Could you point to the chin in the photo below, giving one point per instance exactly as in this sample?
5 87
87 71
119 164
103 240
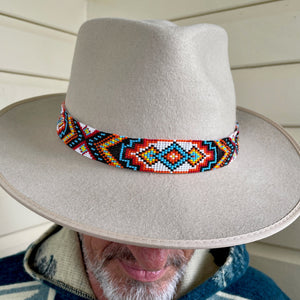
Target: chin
124 287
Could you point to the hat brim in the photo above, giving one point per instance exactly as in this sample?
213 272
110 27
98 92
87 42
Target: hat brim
253 197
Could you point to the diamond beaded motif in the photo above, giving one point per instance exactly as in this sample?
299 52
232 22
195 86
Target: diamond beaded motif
147 155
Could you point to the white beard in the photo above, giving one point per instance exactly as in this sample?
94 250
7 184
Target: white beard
134 290
131 289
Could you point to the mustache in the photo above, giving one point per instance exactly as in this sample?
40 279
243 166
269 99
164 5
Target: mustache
120 251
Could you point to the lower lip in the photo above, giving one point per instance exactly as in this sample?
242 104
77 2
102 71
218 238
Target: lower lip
142 275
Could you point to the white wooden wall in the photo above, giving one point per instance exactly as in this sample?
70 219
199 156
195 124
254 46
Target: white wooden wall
37 43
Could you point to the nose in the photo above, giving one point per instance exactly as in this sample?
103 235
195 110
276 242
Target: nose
150 259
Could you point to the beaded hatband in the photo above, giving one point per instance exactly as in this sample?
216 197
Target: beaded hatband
147 155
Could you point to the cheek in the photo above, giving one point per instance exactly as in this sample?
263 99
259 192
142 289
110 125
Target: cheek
94 246
188 253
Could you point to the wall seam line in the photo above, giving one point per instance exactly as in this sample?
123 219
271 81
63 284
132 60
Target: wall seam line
33 75
19 18
223 10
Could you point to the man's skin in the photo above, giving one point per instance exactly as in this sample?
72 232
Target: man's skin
149 265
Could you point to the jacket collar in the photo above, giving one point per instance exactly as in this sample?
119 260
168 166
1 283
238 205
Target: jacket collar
51 259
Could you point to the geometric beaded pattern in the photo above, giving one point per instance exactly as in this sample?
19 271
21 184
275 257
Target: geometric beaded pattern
147 155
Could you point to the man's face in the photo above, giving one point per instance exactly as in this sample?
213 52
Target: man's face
119 271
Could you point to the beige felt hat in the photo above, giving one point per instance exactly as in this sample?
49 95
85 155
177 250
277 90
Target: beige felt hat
152 80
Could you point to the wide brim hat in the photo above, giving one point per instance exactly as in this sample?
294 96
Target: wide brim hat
153 80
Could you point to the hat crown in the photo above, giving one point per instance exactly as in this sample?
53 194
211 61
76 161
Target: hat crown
152 79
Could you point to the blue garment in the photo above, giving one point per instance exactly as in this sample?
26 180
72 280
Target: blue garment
233 280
